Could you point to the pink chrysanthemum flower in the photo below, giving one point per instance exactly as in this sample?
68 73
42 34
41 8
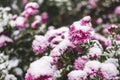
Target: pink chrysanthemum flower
39 44
59 42
104 41
35 24
99 21
44 17
109 28
80 63
30 9
4 39
41 69
112 27
80 31
55 36
60 49
78 37
117 10
32 5
77 75
118 37
108 71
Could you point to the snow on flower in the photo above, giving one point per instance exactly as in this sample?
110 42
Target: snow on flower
77 75
80 31
41 69
55 36
92 67
39 44
55 32
20 22
108 71
4 39
80 62
60 49
95 52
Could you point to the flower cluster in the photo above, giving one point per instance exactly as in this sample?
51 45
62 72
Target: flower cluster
81 40
31 10
14 26
29 17
95 68
80 31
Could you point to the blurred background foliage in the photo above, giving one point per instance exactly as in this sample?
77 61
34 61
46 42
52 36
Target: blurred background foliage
64 12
